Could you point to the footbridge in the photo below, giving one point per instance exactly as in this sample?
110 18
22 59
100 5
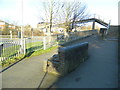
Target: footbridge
94 19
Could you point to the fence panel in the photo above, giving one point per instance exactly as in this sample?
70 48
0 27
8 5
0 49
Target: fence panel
15 47
33 44
11 48
50 41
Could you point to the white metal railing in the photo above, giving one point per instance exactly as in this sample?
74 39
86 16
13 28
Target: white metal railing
15 47
10 48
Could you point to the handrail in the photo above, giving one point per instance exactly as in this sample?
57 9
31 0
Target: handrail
99 17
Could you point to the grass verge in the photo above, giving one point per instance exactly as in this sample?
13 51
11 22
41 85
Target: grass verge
11 61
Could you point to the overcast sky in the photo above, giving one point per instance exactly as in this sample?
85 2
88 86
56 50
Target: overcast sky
11 11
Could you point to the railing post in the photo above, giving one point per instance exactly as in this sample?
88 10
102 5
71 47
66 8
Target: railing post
21 44
1 51
11 34
24 47
44 43
108 27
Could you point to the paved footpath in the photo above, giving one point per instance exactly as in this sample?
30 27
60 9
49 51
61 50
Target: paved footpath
99 71
28 73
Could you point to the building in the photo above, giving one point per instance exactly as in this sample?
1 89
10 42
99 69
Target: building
43 27
2 24
11 26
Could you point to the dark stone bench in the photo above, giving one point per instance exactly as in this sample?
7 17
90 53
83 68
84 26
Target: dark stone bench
67 59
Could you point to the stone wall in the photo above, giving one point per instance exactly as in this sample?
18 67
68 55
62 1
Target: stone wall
113 31
68 59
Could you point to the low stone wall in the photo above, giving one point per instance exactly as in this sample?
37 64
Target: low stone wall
113 31
70 42
67 59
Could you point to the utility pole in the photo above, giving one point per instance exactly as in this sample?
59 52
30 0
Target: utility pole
22 40
22 21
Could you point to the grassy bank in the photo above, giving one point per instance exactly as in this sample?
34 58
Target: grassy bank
13 50
13 60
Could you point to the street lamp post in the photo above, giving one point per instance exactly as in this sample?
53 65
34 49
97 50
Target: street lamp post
22 40
22 22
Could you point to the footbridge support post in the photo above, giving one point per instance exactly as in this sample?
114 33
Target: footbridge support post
93 25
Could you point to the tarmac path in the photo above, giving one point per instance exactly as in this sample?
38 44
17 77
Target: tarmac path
99 71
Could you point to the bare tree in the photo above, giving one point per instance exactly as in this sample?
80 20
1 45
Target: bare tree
73 11
79 12
64 14
50 9
27 30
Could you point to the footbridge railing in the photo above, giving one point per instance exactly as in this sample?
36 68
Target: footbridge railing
96 18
